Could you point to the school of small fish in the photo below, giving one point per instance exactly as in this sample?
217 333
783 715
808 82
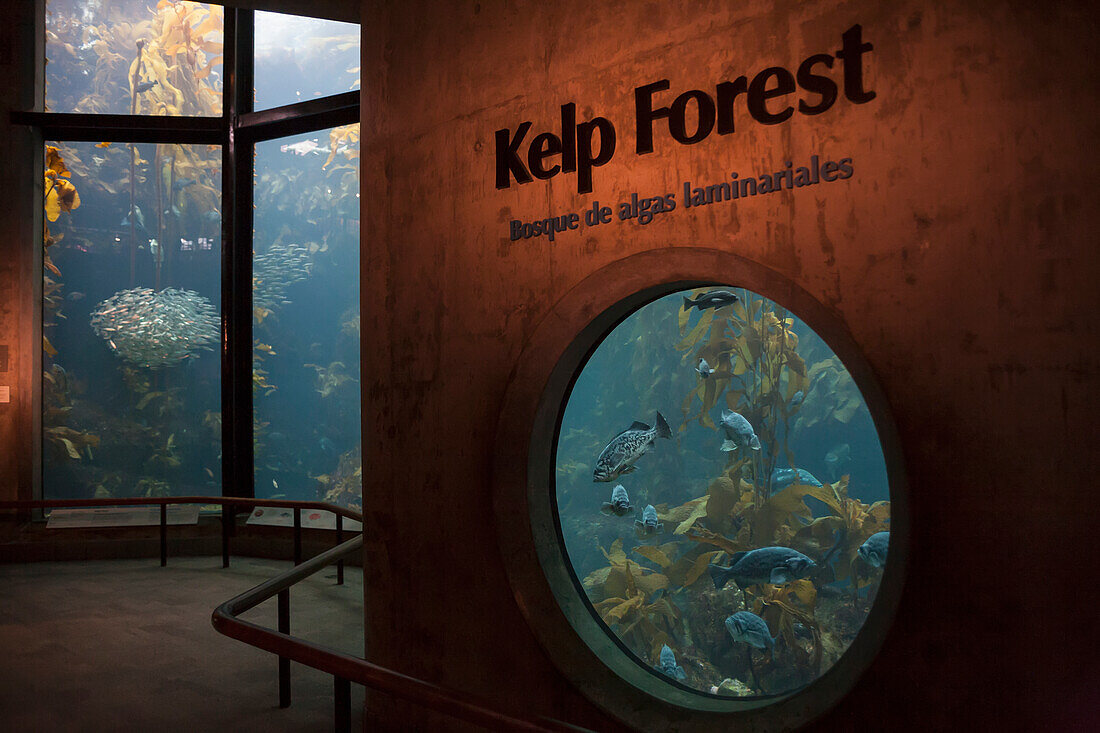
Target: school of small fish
156 329
274 271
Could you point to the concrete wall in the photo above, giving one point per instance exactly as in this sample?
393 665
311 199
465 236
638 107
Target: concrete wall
20 253
961 255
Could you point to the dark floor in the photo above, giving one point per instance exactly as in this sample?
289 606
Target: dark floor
125 645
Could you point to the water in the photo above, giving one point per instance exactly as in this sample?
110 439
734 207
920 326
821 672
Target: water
132 407
655 588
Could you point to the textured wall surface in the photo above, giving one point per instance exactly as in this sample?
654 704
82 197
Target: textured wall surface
961 254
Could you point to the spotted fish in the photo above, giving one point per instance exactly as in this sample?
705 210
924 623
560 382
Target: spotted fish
784 477
618 456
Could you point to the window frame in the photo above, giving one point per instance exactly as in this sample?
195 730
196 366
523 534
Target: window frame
236 131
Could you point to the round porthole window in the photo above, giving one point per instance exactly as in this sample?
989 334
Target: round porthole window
721 498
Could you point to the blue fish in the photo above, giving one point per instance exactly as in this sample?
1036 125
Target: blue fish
668 664
775 565
139 218
784 477
619 504
796 398
750 629
873 551
739 433
648 524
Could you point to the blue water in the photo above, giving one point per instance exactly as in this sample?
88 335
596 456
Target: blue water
638 371
117 427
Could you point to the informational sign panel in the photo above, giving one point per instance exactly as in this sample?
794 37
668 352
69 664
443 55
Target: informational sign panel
311 518
121 516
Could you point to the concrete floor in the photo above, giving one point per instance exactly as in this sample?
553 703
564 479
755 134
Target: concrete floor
125 645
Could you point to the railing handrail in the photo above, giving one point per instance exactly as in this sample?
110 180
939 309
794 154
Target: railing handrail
455 703
142 500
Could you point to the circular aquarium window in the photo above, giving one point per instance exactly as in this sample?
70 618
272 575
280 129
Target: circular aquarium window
722 500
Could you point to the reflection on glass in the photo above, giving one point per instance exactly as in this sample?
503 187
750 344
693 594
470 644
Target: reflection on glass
134 57
306 318
298 59
722 494
131 287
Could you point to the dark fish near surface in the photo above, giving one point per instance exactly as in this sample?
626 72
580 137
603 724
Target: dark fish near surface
668 664
784 477
873 551
750 629
619 504
143 86
739 432
775 565
619 455
712 299
648 524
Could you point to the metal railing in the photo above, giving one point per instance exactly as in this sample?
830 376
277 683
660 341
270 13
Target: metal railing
343 667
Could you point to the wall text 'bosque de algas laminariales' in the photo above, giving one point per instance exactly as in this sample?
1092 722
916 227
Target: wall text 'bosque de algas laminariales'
765 99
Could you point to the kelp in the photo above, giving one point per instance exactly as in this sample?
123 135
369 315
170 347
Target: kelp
330 378
752 348
344 487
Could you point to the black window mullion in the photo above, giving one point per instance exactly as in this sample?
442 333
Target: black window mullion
237 169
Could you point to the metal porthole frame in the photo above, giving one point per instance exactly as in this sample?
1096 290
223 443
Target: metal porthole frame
540 574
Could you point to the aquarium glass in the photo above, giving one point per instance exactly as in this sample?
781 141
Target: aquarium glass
298 59
742 553
306 317
134 57
131 320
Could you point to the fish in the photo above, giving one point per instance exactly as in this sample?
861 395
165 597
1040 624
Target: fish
711 299
796 398
212 216
668 664
748 628
618 456
327 446
775 565
784 477
648 524
143 86
139 218
739 432
304 147
837 459
873 551
275 484
75 295
619 504
154 247
703 368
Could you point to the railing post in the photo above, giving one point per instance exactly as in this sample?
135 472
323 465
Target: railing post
339 540
226 518
297 535
341 698
284 663
163 534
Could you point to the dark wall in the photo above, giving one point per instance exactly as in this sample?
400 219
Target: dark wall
961 255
